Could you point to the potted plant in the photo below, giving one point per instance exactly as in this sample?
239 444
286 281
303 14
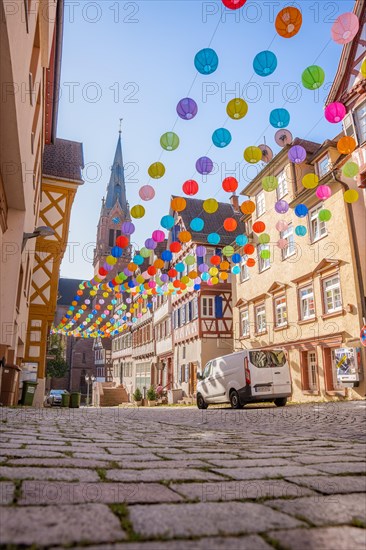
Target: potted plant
151 396
137 397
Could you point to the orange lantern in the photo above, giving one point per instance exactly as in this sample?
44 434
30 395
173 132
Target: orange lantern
288 22
178 204
259 227
346 145
159 264
184 236
79 293
215 260
249 249
193 275
230 224
250 262
224 276
247 207
224 265
132 267
175 247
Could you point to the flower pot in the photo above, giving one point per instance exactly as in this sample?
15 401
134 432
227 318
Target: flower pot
151 403
138 403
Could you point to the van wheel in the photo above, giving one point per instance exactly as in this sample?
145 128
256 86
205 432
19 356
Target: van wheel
235 400
280 401
201 403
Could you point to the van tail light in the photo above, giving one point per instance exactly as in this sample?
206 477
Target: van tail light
247 371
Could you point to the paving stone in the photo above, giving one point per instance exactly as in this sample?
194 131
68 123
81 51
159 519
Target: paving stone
337 538
201 456
239 490
343 467
23 453
66 474
45 526
329 510
7 490
163 464
266 472
161 474
60 462
186 520
116 458
242 463
324 459
330 485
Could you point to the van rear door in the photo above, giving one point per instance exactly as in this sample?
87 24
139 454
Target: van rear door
261 374
281 372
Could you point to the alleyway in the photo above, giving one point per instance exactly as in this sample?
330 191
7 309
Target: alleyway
258 479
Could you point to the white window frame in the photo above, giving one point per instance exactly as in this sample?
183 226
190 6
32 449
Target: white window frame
208 307
322 170
321 227
244 270
332 288
244 323
280 310
360 122
282 189
260 203
312 366
305 300
290 248
263 263
260 318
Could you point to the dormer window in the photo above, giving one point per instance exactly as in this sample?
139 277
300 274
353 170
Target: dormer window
323 165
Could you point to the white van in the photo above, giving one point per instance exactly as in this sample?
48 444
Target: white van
245 377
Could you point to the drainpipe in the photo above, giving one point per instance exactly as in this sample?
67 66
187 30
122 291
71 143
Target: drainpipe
354 240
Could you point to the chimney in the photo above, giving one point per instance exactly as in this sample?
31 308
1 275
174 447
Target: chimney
234 199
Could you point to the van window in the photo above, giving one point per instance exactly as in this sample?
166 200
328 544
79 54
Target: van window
267 359
277 358
258 359
207 371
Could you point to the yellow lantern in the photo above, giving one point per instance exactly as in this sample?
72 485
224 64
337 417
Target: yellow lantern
214 280
111 260
253 154
156 170
213 271
351 195
210 206
138 211
310 181
237 108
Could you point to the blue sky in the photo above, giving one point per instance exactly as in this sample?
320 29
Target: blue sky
135 60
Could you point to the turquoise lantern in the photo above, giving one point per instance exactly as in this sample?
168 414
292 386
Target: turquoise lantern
206 61
265 63
221 137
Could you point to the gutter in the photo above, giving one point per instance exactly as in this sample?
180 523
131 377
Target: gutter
58 56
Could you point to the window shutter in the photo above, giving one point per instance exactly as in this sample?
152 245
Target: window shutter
349 126
199 260
218 307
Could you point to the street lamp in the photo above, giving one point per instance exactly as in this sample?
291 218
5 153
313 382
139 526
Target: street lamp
41 231
88 379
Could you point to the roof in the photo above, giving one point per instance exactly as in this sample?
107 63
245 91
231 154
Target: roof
161 247
116 190
213 222
64 159
67 289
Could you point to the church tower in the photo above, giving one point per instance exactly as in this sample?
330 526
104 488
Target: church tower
115 210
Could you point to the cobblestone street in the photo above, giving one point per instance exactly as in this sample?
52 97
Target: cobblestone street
261 478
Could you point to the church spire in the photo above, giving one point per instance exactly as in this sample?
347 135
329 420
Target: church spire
116 187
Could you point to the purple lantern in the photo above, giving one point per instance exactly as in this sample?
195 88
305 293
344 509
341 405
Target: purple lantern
127 272
187 108
150 244
128 228
200 251
323 192
281 207
203 268
158 236
164 277
297 154
204 165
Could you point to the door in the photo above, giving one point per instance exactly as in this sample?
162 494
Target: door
192 379
217 382
281 372
205 384
260 374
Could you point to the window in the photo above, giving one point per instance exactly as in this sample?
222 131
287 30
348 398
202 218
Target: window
244 322
207 371
207 307
332 294
360 118
290 248
260 203
263 263
189 311
111 242
282 188
280 311
84 357
313 381
244 269
318 229
323 165
183 315
195 307
182 373
307 305
260 319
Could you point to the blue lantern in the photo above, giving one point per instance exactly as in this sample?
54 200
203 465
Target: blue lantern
265 63
235 270
205 276
301 210
213 238
206 61
236 258
138 260
167 222
241 240
166 255
279 118
116 252
197 287
221 137
180 267
300 230
197 224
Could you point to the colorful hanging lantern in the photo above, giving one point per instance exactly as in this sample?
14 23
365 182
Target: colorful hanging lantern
279 118
175 247
230 184
282 243
350 169
233 4
150 244
310 181
190 187
204 165
350 196
241 240
323 192
264 238
206 61
297 154
258 227
250 262
201 251
169 141
281 225
184 236
363 68
313 77
300 230
346 145
252 154
128 228
345 28
301 210
167 222
156 170
269 183
281 207
335 112
138 211
116 251
237 108
221 137
122 241
187 108
197 224
230 224
210 206
265 254
227 251
324 215
158 236
265 63
166 255
288 22
213 238
247 207
178 204
147 193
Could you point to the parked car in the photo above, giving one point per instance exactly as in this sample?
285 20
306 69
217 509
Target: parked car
245 377
55 397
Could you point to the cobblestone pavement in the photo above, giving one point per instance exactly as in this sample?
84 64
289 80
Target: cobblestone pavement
180 478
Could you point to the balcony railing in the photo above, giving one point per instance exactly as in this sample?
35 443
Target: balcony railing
164 346
162 311
144 349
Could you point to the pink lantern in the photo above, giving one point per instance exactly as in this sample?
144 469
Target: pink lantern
323 192
152 284
281 225
158 236
147 193
335 112
282 243
345 28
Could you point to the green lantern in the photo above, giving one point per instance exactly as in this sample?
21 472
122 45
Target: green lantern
270 183
264 238
324 215
265 254
313 77
169 141
228 251
350 170
145 252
